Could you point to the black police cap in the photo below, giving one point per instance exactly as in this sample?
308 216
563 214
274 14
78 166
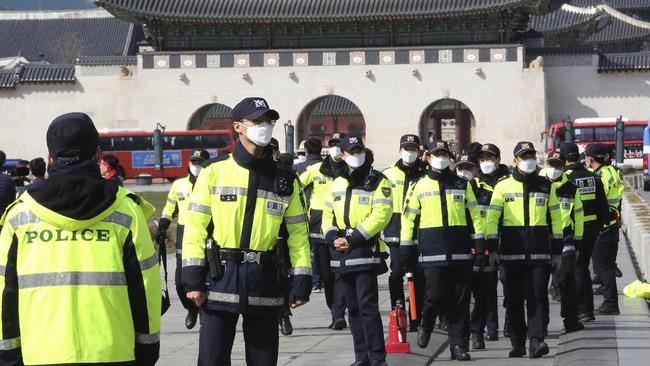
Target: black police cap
597 150
524 147
199 155
409 140
335 139
491 149
556 156
72 137
467 159
253 108
570 150
348 143
439 146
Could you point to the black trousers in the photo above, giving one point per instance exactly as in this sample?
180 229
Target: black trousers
218 334
396 277
567 284
605 265
362 301
448 290
485 311
527 283
333 297
584 289
178 278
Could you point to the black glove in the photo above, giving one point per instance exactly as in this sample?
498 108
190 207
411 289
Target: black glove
161 233
494 261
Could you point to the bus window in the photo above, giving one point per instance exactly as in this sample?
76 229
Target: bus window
216 141
585 134
126 143
605 133
634 132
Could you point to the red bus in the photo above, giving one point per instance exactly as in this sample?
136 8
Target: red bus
134 149
600 130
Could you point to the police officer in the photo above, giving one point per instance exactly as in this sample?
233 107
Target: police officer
355 212
318 179
594 202
247 198
519 214
563 259
606 248
484 286
177 201
442 207
404 173
85 286
467 167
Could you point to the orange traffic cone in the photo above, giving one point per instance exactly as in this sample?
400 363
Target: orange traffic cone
397 331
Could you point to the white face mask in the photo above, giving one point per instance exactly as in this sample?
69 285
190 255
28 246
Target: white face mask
302 158
464 173
488 167
554 173
195 170
260 134
356 160
335 152
439 162
409 157
527 166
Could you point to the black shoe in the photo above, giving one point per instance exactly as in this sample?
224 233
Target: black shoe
618 272
459 353
477 341
517 352
599 290
338 324
190 319
316 289
605 311
378 363
285 326
586 317
596 281
492 336
361 363
573 326
537 348
423 337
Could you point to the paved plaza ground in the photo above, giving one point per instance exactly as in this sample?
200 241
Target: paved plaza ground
620 340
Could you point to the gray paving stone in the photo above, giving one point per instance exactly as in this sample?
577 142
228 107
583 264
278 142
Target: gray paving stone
622 340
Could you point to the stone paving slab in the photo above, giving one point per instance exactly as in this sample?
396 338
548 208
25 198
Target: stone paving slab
622 340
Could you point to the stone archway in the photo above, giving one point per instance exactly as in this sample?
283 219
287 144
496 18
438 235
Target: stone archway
215 116
450 120
328 114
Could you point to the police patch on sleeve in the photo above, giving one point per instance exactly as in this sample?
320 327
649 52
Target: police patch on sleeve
385 192
274 208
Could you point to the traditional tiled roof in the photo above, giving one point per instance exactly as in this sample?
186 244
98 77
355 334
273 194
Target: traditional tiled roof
46 73
617 4
8 78
301 10
336 105
36 73
62 36
610 24
566 17
107 60
639 61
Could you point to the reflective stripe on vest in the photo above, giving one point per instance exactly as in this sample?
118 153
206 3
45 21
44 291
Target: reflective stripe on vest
71 279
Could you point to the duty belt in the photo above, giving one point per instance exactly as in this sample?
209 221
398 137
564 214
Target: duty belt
244 256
